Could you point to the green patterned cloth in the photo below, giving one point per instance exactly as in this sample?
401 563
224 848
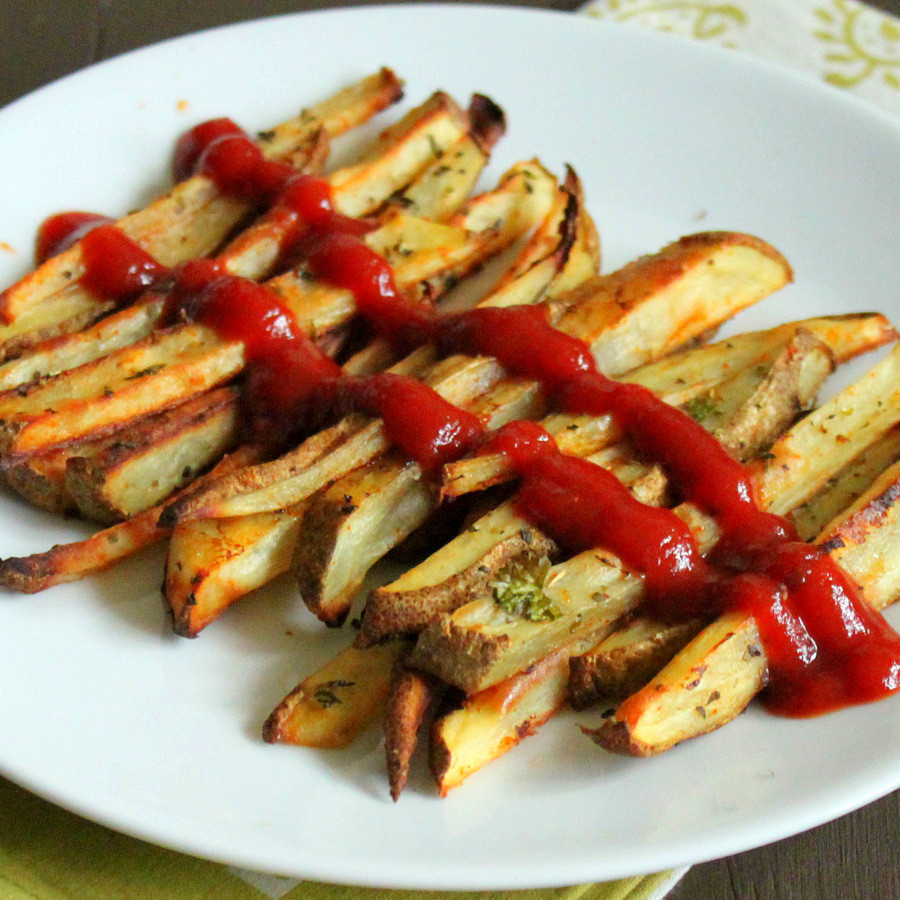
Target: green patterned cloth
99 864
846 43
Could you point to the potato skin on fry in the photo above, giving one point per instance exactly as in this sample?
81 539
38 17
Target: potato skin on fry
411 696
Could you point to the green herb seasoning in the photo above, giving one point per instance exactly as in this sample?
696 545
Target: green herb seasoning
519 592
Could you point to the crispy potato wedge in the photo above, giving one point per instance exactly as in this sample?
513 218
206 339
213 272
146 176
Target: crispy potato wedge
146 463
668 298
437 191
176 434
828 438
679 379
211 563
845 487
351 525
190 220
607 671
626 660
863 540
334 704
411 695
458 572
491 722
71 562
70 351
288 479
687 697
714 678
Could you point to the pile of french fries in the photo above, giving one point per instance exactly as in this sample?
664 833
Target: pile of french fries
107 414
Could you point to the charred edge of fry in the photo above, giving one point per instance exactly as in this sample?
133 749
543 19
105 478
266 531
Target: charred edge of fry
857 523
487 122
412 695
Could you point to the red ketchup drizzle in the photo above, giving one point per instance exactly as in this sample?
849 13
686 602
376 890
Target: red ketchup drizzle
59 232
115 267
825 648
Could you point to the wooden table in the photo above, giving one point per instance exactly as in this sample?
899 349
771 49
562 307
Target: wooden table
856 856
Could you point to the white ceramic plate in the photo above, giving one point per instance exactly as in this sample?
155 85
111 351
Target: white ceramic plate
105 712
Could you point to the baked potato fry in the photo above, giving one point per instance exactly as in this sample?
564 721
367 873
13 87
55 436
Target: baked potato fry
190 220
148 462
436 190
71 562
713 679
330 707
491 722
602 673
410 697
211 563
133 467
167 368
842 489
770 398
803 460
688 376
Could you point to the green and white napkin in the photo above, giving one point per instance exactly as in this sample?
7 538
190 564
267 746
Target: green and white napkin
846 43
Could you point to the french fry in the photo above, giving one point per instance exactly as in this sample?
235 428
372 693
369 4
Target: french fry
410 697
254 252
704 687
713 679
842 489
626 660
330 707
72 562
789 484
133 467
163 370
140 470
211 563
449 578
191 220
830 437
679 379
491 722
478 644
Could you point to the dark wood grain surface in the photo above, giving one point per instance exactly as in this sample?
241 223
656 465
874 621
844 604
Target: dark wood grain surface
852 858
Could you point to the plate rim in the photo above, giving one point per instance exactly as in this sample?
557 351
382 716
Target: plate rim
851 799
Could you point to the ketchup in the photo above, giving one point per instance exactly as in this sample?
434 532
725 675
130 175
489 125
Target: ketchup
825 647
59 232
